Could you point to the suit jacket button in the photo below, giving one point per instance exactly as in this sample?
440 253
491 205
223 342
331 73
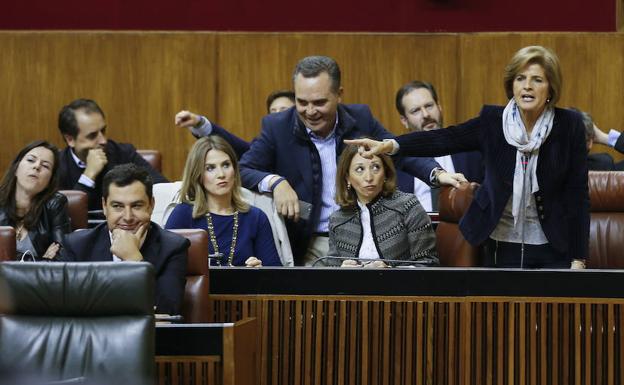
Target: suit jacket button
540 208
542 216
539 198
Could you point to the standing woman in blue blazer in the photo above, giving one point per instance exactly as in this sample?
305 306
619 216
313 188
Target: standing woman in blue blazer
532 209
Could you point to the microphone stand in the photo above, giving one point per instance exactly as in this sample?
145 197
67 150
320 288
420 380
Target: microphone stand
525 161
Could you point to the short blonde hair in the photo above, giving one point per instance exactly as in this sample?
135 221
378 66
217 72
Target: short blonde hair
193 191
535 54
346 197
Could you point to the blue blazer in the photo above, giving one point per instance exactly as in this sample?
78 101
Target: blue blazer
284 148
563 198
468 163
163 249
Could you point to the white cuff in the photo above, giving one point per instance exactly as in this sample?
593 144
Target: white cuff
85 180
204 129
613 137
395 146
264 185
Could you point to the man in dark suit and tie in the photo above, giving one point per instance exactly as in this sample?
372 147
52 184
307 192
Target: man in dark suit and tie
129 236
419 110
89 154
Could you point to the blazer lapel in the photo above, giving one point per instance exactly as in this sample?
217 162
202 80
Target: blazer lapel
101 248
151 248
301 153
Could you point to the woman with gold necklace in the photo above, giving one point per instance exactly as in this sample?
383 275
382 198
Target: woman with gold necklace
30 203
240 234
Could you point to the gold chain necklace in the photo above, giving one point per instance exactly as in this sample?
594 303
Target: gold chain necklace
213 237
19 230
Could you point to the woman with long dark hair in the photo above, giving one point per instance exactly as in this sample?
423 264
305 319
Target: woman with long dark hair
29 201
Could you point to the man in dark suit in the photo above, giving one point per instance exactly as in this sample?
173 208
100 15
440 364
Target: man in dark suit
419 110
295 155
89 154
601 161
128 235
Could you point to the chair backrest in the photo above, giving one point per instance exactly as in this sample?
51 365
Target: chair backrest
153 157
453 249
84 321
196 307
77 208
606 232
7 243
166 198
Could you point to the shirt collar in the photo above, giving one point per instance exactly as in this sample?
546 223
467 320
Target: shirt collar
77 160
331 134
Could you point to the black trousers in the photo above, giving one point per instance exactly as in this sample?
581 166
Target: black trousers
508 254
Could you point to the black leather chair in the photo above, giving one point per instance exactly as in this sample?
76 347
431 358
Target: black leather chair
89 323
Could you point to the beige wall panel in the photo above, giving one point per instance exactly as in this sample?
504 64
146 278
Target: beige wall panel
592 66
139 79
142 79
373 68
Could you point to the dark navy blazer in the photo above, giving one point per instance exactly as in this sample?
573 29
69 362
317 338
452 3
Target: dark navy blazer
166 251
563 198
284 148
468 163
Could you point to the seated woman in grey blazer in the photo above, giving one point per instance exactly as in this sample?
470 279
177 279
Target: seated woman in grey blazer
375 221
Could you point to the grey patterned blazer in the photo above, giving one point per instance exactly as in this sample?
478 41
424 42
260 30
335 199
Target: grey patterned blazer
401 227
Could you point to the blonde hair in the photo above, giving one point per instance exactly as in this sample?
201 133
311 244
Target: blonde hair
535 54
193 191
346 197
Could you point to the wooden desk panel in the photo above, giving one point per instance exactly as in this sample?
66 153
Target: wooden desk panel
388 339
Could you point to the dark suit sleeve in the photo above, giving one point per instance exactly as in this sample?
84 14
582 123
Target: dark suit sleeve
576 193
67 252
619 144
259 160
419 167
172 279
239 145
451 140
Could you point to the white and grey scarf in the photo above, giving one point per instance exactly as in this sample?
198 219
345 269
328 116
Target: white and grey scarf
528 147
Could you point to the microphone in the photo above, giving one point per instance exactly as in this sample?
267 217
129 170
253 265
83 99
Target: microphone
369 260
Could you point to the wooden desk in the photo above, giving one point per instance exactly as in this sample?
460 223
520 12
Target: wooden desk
429 326
219 353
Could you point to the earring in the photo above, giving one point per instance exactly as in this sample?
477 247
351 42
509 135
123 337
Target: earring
348 186
547 100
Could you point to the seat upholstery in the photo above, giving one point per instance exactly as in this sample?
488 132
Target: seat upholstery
77 208
92 322
7 243
453 249
196 307
153 157
606 232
